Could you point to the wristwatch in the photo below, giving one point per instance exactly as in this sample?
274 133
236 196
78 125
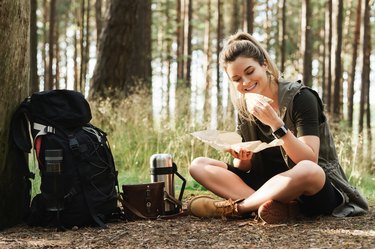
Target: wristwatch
282 131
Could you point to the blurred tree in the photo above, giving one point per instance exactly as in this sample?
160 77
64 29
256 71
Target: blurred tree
337 38
188 45
354 63
282 33
327 82
306 43
365 82
34 78
124 56
14 77
49 83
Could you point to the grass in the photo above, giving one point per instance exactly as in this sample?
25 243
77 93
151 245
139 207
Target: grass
134 138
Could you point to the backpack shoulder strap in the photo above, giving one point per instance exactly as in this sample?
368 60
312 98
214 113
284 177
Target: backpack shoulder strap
20 136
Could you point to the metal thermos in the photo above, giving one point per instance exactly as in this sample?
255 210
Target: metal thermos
163 169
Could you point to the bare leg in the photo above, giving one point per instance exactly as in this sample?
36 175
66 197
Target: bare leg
305 178
215 176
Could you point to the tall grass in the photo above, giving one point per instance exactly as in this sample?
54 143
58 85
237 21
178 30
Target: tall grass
134 139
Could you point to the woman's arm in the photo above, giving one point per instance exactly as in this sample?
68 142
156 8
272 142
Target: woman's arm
298 149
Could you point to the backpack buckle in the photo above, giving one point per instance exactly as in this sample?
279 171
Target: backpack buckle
73 144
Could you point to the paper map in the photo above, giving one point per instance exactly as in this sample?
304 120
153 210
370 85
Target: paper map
223 140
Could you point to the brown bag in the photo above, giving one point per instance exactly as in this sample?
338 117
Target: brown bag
143 200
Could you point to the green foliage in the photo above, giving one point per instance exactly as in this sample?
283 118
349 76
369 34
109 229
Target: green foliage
134 137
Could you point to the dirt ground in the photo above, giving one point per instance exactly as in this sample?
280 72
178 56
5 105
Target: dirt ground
191 232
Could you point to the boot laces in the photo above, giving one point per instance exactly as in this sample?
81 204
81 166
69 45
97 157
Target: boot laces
227 207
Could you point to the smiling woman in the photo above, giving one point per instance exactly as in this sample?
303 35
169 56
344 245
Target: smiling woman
302 173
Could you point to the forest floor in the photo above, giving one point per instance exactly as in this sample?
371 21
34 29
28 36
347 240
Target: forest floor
191 232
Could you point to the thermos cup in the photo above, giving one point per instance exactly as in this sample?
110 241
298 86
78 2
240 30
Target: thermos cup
163 169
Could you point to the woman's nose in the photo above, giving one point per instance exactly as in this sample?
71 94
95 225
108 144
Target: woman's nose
245 80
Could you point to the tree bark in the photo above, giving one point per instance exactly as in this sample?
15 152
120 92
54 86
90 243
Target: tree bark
354 63
124 57
34 78
282 33
365 85
235 17
327 86
207 69
51 42
250 16
180 23
306 43
14 75
188 47
338 67
98 20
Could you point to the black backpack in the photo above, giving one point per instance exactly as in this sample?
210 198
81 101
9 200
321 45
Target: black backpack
79 184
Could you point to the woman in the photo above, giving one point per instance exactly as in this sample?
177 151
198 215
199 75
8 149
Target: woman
301 175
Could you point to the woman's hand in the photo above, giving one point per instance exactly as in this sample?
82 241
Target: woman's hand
266 114
243 154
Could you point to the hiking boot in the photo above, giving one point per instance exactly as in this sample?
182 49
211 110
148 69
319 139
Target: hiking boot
274 212
208 207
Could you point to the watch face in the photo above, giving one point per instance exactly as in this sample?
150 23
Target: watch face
280 132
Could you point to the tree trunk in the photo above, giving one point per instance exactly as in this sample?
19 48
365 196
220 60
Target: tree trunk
34 78
188 47
180 22
51 42
82 25
124 57
219 38
282 33
44 43
98 20
327 83
235 17
338 70
306 43
250 16
14 78
208 52
357 32
365 85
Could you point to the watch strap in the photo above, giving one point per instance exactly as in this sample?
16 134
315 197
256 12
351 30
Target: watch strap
282 131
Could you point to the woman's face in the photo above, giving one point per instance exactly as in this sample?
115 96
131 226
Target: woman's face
248 75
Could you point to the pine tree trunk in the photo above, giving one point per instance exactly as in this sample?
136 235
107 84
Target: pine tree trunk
98 20
180 22
188 47
338 68
34 78
357 32
14 75
306 44
124 57
51 44
365 82
282 33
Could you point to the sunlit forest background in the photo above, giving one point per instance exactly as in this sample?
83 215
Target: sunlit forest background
150 69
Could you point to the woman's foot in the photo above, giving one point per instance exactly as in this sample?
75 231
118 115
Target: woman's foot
208 207
274 212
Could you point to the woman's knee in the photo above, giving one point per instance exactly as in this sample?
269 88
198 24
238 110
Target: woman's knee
201 165
311 174
197 165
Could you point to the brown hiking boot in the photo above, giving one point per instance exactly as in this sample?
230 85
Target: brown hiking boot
275 212
208 207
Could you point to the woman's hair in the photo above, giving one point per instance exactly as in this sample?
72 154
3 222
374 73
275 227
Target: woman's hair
244 45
